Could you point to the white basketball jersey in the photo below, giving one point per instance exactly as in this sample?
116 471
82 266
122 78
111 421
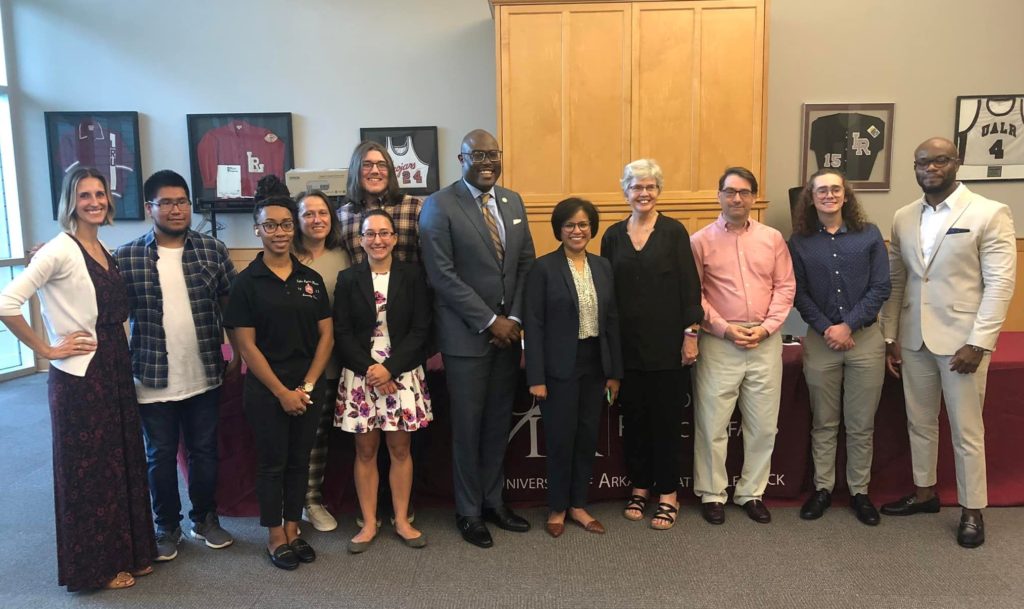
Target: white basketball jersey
409 169
996 135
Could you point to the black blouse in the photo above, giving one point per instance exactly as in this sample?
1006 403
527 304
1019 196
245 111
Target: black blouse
285 313
657 290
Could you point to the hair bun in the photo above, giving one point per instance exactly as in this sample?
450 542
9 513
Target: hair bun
270 186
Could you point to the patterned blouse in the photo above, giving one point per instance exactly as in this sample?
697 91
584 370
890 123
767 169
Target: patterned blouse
586 304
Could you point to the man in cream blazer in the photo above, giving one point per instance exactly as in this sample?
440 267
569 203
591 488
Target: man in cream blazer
953 264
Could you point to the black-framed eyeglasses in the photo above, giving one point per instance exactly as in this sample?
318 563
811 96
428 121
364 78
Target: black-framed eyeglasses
166 204
744 194
369 165
370 235
479 156
571 226
939 161
271 227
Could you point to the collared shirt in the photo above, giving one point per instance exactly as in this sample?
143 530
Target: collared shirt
285 313
933 219
746 276
209 273
492 206
841 277
586 300
406 214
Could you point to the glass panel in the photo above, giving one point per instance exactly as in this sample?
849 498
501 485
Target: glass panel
10 218
14 355
3 52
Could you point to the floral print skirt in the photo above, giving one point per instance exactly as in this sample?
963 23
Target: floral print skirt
360 408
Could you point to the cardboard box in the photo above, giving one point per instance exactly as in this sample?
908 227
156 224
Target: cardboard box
333 182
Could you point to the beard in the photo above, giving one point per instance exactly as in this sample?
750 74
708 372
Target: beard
171 232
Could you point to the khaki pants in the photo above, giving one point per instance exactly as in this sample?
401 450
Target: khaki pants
926 379
727 375
847 383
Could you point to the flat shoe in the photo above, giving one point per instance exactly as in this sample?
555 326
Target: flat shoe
594 526
555 529
358 547
283 557
303 551
122 580
142 572
420 541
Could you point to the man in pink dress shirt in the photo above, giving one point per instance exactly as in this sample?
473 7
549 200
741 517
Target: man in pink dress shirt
748 286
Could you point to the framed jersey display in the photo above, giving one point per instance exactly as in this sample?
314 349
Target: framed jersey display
107 141
990 136
853 138
230 153
413 150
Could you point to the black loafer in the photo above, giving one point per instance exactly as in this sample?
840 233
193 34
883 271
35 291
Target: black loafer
971 532
864 509
757 511
713 512
474 531
910 504
506 519
283 557
303 550
815 506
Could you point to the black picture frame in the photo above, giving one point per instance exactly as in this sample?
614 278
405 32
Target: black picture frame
107 141
834 135
219 142
421 142
990 147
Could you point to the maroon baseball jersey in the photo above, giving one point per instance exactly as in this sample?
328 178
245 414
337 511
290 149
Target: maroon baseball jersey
93 145
258 151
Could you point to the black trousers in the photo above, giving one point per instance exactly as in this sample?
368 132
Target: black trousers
652 423
283 443
571 415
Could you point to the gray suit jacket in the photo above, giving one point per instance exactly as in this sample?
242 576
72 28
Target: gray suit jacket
962 294
470 286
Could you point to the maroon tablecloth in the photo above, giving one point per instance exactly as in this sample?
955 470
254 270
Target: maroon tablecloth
791 471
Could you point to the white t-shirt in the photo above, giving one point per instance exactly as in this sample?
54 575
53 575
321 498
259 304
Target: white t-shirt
185 374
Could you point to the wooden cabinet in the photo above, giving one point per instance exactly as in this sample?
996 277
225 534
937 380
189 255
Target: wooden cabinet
586 87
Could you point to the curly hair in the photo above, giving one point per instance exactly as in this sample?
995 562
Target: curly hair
806 216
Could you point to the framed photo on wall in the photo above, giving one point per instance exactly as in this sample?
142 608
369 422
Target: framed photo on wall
989 135
107 141
230 153
413 150
852 138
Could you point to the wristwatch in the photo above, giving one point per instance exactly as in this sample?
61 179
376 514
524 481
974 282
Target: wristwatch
977 349
307 386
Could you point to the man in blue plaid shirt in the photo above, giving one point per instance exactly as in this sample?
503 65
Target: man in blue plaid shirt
178 283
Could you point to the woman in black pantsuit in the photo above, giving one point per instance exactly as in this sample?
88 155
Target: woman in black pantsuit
658 292
573 357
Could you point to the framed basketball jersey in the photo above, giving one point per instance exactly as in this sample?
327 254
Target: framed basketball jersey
990 137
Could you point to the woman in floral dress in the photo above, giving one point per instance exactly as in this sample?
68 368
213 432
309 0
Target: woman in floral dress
381 325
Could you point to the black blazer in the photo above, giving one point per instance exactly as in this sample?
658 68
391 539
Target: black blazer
552 320
355 316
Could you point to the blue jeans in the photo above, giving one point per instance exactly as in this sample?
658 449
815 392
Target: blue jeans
163 424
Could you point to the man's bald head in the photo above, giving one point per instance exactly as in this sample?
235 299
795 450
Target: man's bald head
484 171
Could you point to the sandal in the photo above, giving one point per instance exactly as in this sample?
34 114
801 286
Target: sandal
664 514
635 507
142 572
122 580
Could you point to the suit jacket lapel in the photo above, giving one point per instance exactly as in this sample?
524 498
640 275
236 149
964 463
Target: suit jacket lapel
365 282
471 207
505 209
566 273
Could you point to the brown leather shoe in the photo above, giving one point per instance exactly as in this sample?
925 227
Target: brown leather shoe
757 511
713 512
554 529
594 526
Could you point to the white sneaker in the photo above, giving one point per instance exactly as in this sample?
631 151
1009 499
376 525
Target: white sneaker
319 517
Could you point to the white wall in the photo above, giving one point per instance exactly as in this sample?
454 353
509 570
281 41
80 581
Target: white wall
339 65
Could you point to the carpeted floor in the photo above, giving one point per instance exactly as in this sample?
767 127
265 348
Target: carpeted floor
832 563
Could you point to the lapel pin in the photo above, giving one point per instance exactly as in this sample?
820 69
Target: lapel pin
504 200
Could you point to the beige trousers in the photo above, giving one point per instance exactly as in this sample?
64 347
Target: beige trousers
926 379
847 384
727 375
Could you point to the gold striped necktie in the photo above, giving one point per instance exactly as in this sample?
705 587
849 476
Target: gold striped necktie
492 226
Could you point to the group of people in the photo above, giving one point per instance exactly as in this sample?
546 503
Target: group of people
334 317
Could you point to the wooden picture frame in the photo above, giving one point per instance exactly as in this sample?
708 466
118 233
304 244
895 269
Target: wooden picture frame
413 151
855 139
989 136
107 141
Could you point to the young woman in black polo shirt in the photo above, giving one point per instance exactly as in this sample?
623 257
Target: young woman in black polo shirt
282 319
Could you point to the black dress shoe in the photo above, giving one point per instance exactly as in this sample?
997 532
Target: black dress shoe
864 509
815 506
474 531
283 557
506 519
911 505
757 511
971 532
303 550
713 512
